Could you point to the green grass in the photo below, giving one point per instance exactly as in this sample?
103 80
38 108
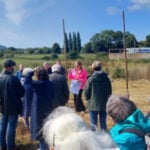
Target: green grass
34 60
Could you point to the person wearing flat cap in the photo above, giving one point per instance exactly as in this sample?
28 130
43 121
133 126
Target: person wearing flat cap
11 92
8 63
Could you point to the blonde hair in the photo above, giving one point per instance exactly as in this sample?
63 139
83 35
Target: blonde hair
96 65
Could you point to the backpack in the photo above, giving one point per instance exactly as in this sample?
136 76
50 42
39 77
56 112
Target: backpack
140 133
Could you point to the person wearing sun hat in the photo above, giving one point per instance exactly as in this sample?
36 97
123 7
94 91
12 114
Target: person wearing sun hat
11 92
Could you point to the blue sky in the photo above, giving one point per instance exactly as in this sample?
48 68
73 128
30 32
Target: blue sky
38 23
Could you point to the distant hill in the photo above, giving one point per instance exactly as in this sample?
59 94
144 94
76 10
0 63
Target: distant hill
2 47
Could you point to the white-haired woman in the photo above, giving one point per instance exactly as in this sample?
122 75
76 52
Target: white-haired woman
126 115
65 130
28 96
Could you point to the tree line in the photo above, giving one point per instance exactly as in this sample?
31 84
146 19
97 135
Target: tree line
99 42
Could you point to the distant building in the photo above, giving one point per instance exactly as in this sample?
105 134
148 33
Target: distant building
132 53
138 50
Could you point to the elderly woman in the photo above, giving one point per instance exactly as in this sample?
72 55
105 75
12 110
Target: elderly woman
28 96
41 104
126 115
65 130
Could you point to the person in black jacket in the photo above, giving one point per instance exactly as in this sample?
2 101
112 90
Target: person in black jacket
61 90
41 105
11 92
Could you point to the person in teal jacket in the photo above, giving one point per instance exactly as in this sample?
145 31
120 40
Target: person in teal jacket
126 115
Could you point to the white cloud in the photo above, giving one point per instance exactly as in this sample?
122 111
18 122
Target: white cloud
19 10
112 10
139 4
15 10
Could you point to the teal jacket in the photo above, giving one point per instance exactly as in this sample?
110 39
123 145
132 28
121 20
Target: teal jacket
130 141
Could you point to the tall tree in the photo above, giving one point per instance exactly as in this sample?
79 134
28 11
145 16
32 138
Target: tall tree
87 48
108 37
117 40
70 42
130 40
56 48
78 42
74 42
66 42
148 41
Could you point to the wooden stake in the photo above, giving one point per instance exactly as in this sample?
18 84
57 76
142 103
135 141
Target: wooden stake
125 54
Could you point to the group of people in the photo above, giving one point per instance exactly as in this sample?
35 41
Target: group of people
58 127
31 99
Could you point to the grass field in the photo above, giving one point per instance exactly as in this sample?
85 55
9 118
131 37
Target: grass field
139 86
138 91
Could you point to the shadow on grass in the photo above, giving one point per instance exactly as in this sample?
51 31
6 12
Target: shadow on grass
28 146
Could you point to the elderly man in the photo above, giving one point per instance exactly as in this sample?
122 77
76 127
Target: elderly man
47 67
60 85
11 92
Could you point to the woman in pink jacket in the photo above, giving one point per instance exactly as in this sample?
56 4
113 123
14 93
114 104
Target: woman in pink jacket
80 75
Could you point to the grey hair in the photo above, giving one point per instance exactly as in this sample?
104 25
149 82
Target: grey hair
96 65
68 131
119 107
45 63
56 68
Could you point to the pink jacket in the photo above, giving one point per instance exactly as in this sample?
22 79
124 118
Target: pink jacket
82 76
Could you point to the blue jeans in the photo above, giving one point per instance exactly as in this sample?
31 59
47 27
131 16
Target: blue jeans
43 144
8 124
102 118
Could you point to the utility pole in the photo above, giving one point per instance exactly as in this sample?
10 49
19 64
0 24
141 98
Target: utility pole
125 55
65 52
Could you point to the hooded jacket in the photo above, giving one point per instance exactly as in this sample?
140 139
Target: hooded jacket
97 90
131 141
